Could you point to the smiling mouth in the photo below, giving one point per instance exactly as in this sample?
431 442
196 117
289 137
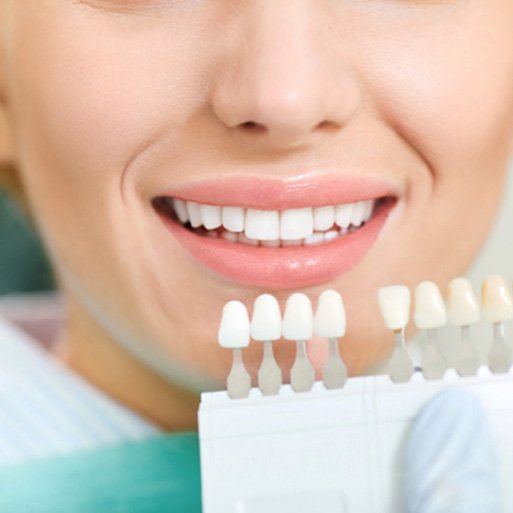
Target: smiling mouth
308 226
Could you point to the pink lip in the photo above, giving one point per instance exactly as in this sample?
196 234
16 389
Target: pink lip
274 194
283 267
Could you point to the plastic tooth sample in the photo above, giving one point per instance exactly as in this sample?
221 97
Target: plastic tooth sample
463 311
266 328
298 325
297 223
394 303
330 322
262 224
234 331
430 314
497 302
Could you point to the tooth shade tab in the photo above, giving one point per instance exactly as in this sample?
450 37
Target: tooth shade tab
234 329
330 315
394 303
296 223
266 320
298 318
462 303
430 311
262 224
497 300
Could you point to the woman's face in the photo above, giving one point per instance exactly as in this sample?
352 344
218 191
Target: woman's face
116 105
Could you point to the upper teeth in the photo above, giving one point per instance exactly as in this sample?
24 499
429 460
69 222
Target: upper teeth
273 225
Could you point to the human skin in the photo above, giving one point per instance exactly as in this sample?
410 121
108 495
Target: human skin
105 103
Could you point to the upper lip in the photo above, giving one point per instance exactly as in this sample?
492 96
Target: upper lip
306 190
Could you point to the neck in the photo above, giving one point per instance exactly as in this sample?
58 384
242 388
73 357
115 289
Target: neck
88 350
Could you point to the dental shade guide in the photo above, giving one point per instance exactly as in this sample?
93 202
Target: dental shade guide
298 325
340 450
497 303
394 303
233 334
266 328
463 311
430 314
330 323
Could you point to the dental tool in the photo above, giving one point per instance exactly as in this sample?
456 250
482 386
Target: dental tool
394 303
330 323
266 328
497 306
298 325
233 333
430 314
463 311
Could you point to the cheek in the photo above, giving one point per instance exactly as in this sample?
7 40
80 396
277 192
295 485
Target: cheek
97 101
448 89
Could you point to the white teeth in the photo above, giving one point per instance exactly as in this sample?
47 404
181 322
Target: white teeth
273 228
313 239
234 329
367 212
262 224
270 243
357 214
298 318
210 216
233 219
296 242
324 217
330 316
232 237
343 215
181 210
194 214
244 240
296 223
332 234
266 321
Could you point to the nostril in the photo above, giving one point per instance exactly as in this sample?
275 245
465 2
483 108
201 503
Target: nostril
254 127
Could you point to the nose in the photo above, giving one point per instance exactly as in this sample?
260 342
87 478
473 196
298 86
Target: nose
280 80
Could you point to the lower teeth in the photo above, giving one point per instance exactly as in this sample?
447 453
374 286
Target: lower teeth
314 239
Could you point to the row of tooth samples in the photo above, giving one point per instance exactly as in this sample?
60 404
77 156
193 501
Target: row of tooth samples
431 313
298 324
273 225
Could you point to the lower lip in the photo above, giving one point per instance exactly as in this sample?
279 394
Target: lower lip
283 267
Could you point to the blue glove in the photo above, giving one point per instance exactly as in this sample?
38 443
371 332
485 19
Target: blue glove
451 464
